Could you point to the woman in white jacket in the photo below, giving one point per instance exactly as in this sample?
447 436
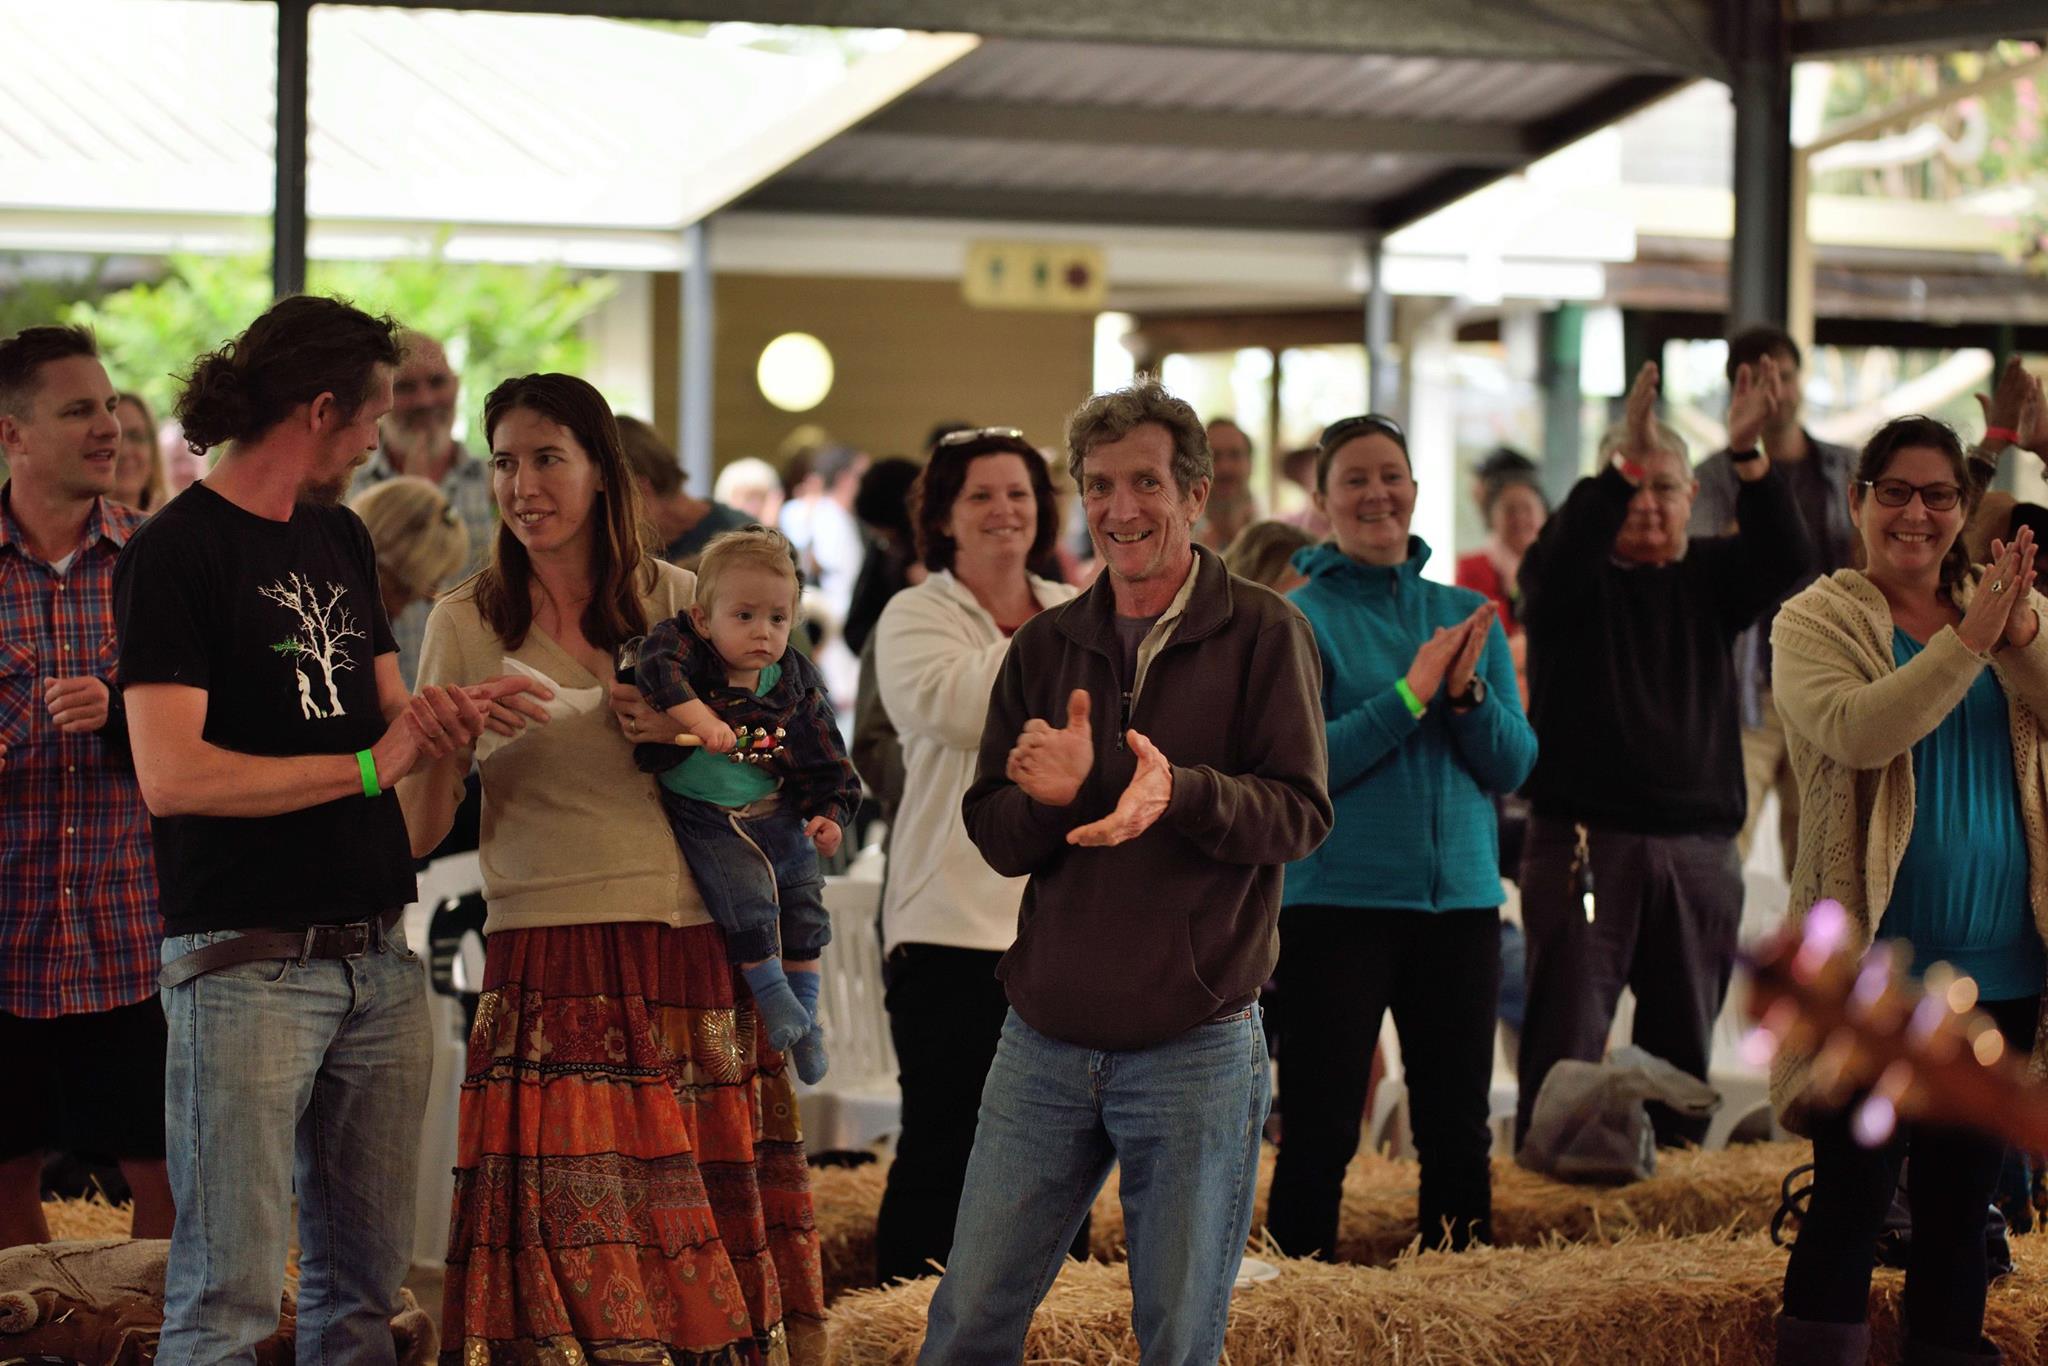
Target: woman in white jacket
982 509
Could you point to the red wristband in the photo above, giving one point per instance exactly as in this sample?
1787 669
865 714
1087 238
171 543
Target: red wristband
1630 470
2004 436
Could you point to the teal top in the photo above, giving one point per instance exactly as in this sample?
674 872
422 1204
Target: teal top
1416 828
1960 896
717 778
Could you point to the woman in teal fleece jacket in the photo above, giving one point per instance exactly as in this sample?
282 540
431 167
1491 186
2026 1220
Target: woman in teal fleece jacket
1400 908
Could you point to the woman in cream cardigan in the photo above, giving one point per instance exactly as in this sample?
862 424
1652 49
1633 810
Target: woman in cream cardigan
630 1181
982 510
1913 694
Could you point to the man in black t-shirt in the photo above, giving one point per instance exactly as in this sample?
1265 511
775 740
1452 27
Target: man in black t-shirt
269 725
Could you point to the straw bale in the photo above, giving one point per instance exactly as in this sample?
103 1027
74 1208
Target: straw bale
846 1200
1692 1192
1710 1298
88 1218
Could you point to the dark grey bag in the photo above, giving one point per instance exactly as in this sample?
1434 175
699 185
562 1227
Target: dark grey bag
1589 1123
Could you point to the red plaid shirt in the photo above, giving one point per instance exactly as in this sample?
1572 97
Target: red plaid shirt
79 926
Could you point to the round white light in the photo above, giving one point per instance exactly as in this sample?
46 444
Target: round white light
795 372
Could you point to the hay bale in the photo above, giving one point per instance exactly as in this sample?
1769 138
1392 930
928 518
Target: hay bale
1679 1302
844 1203
1735 1190
846 1200
89 1218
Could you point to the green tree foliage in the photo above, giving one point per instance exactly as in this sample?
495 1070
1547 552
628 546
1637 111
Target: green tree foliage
1997 138
495 320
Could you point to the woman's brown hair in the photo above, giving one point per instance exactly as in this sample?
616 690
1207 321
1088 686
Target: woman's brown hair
1916 429
619 568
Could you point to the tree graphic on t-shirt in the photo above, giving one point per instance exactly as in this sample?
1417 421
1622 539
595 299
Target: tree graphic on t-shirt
324 624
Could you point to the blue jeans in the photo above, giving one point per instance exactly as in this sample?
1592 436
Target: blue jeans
284 1072
1181 1118
758 875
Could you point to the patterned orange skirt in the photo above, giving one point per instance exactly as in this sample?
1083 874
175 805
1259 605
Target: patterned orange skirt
631 1185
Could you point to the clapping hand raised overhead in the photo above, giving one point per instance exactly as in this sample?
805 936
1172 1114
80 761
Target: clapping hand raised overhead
1760 396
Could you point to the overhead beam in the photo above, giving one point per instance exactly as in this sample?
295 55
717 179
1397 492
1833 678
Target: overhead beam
1940 25
1596 111
1199 130
1054 206
1669 34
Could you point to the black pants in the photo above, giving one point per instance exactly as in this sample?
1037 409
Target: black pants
1341 969
1949 1188
1668 909
946 1012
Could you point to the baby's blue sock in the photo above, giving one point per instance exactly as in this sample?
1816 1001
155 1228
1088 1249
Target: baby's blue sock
783 1017
805 985
808 1053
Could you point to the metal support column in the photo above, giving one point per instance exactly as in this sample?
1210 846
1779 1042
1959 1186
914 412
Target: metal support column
288 209
698 334
1760 83
1563 399
1381 389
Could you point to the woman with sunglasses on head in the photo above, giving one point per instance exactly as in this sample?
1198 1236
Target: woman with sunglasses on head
1911 692
1400 908
982 510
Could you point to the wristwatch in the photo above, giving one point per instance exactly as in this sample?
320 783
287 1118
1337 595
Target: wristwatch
1744 457
1474 695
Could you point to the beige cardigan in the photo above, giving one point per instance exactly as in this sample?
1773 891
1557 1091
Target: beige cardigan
573 833
1851 720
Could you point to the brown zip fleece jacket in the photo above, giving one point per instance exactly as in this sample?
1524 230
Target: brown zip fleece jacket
1133 945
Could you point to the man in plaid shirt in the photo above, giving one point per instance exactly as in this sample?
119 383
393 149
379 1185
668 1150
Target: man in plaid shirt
80 1021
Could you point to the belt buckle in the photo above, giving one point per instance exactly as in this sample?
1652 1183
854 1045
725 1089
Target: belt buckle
362 940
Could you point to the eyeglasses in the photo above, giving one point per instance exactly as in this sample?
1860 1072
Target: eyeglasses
969 435
1344 428
1896 493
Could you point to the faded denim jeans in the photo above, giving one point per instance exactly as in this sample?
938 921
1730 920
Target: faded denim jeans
286 1075
1181 1118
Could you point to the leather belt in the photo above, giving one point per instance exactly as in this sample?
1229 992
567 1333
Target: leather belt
352 940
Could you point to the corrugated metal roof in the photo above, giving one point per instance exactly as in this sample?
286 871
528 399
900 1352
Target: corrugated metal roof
1268 82
1209 134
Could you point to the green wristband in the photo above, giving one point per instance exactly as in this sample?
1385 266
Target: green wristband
368 767
1414 703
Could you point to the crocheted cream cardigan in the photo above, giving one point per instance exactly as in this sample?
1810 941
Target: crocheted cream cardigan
1851 720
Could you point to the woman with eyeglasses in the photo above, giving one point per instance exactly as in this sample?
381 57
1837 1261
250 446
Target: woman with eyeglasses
982 510
1400 907
1911 692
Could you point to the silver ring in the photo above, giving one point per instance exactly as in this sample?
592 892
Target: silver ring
1998 585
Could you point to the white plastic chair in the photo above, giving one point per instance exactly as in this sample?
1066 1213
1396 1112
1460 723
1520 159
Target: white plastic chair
450 878
859 1102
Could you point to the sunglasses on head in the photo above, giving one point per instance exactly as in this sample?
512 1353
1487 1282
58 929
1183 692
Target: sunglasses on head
1345 428
969 435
